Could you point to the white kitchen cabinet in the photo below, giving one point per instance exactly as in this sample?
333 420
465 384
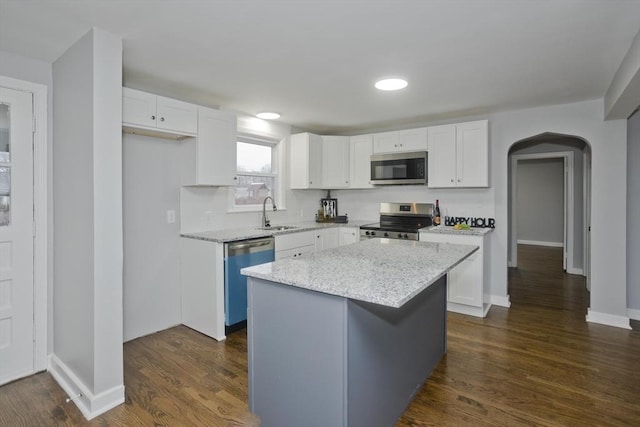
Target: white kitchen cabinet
466 281
305 161
202 282
210 158
459 155
360 161
293 245
399 141
335 162
142 110
349 235
327 238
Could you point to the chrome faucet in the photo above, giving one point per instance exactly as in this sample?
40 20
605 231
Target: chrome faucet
265 221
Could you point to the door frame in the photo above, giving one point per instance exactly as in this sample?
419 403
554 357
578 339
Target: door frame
42 274
586 179
568 214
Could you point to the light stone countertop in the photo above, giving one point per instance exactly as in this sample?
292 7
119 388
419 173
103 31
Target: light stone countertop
235 234
445 229
381 271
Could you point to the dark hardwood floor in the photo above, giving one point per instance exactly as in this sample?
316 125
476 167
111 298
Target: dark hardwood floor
538 363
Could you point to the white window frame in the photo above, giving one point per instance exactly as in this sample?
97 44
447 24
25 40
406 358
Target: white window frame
277 172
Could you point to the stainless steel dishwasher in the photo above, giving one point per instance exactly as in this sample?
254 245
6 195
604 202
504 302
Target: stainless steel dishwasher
238 255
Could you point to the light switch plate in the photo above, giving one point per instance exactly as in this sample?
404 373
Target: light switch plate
171 217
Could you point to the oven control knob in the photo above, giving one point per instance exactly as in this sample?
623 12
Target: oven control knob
367 233
406 236
373 233
399 235
386 234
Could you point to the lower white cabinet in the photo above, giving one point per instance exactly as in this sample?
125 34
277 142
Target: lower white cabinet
465 282
202 282
293 245
349 235
327 238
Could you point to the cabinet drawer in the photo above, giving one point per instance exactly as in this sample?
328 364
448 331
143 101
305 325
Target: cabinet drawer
295 252
295 240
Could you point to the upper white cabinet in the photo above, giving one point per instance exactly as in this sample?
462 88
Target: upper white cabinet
143 110
459 155
398 141
305 161
360 161
210 158
335 162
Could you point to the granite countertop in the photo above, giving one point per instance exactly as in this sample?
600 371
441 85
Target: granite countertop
381 271
235 234
445 229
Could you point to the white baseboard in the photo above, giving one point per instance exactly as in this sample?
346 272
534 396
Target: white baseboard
498 300
89 404
539 243
577 271
633 313
608 319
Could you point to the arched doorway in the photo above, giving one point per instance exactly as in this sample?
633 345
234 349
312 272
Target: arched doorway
549 194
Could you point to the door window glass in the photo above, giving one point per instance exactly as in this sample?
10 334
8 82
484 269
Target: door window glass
5 165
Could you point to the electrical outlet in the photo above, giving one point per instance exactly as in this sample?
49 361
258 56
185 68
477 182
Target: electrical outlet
171 217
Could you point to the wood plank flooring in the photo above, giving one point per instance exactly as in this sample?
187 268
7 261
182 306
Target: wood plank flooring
538 363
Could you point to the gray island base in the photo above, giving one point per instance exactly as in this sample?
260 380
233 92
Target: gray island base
320 358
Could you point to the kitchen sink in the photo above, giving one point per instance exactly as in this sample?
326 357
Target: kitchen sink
278 227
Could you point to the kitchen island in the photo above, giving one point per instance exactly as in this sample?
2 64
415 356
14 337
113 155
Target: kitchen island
347 336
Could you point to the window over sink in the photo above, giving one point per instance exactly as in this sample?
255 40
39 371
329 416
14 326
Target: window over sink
257 173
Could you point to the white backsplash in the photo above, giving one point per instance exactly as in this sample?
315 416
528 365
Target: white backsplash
206 208
365 204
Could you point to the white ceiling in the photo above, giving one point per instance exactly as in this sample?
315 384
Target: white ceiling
315 61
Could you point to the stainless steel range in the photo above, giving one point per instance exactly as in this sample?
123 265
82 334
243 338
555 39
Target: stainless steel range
399 221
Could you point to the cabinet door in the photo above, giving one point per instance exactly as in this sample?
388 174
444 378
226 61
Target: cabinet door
472 151
305 161
335 162
360 161
327 238
176 115
413 139
442 156
465 282
215 148
138 108
386 142
349 235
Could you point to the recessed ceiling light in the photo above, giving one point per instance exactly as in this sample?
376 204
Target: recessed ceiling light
391 84
268 115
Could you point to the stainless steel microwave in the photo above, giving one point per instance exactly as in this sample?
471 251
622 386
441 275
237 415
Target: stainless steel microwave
399 168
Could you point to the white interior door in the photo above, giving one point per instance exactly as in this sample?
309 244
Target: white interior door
16 235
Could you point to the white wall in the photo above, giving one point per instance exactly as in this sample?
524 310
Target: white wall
577 147
583 120
35 71
540 201
365 204
633 214
87 160
609 177
208 208
151 187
